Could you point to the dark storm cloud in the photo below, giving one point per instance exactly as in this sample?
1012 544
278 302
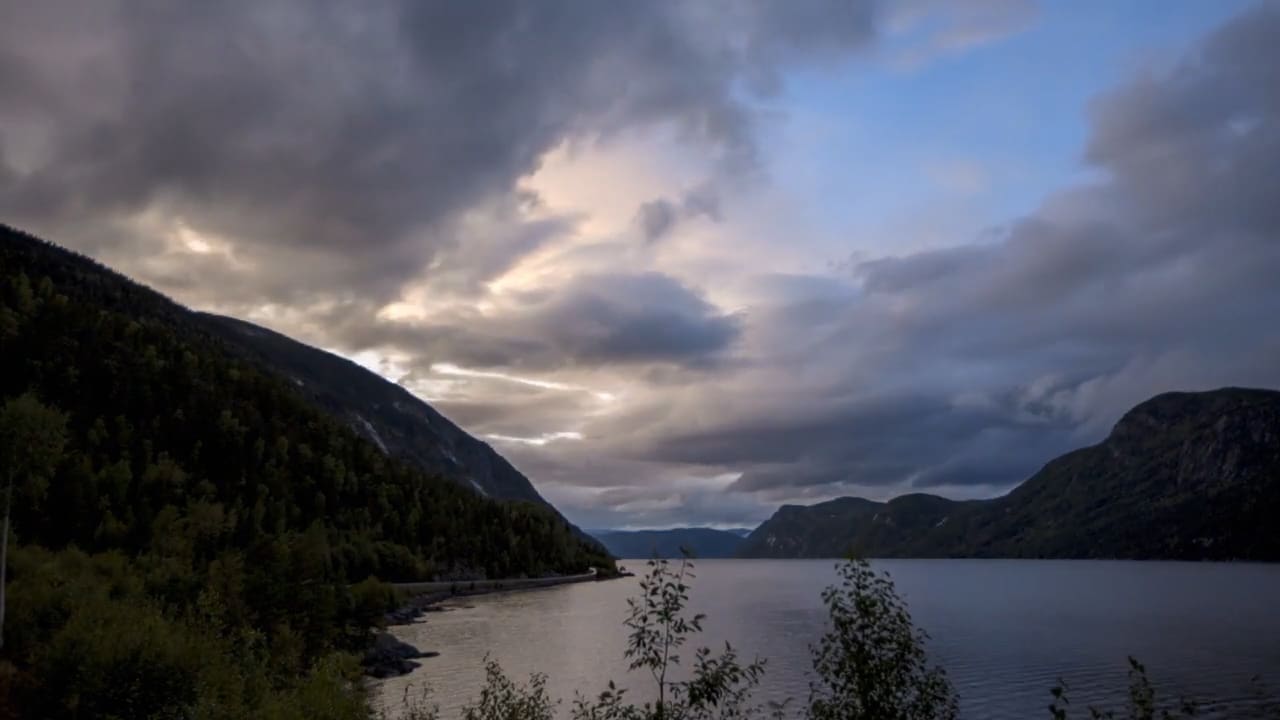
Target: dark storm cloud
974 365
635 318
324 129
922 440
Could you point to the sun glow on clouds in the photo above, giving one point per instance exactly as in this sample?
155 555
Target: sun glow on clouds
539 440
192 240
603 182
199 242
451 369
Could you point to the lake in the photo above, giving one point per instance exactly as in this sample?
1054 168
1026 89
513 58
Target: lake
1005 630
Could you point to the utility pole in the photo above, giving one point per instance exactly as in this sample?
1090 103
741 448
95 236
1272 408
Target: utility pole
4 552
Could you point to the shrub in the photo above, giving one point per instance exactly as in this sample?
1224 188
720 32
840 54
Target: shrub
871 663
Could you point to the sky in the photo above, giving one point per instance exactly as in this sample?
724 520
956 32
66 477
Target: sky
682 262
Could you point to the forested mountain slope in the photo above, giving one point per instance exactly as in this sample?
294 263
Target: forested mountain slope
390 416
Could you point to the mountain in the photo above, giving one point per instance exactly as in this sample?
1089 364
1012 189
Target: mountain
644 544
168 409
1191 476
392 418
902 527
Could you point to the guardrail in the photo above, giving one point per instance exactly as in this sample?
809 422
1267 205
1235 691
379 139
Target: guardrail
462 587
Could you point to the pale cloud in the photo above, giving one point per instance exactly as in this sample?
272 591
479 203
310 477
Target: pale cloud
922 31
539 440
451 369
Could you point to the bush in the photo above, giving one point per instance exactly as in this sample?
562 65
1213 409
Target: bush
89 641
372 599
871 663
121 659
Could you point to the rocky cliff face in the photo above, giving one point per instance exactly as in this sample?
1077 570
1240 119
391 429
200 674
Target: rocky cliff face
1183 475
394 419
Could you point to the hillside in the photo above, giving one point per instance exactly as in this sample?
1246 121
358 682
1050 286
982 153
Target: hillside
151 381
190 517
644 544
1181 476
388 415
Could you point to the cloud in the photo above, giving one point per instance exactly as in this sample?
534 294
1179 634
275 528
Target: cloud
924 30
658 217
359 176
358 140
628 318
593 320
972 365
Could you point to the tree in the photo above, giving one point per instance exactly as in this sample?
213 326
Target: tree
719 686
31 439
658 623
871 663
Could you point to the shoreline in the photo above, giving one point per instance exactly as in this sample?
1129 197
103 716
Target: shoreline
389 656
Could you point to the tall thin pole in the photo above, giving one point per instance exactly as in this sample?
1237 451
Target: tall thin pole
4 552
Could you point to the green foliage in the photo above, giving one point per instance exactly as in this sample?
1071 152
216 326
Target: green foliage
500 699
92 639
123 659
658 623
31 440
331 690
32 436
719 686
373 599
503 699
871 663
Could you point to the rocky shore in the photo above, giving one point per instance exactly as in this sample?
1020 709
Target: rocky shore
391 657
416 607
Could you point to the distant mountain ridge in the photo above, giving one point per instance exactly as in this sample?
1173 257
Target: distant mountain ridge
643 544
1191 476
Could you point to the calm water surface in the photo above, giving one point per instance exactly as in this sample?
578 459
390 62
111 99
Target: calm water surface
1004 630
